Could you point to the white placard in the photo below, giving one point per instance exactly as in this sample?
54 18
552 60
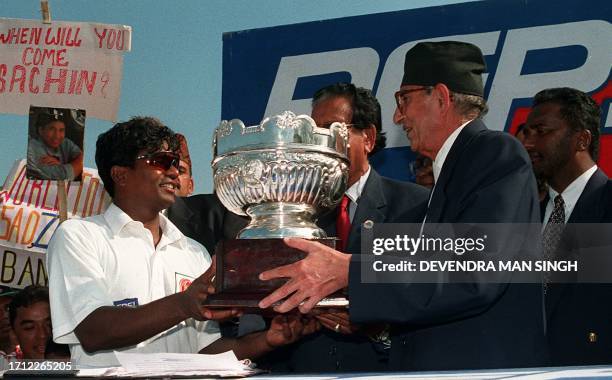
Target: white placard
62 64
29 216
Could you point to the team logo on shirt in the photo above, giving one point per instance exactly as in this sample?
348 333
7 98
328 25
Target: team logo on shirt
127 302
182 282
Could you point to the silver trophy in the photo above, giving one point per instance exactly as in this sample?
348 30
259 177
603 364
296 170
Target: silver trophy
282 173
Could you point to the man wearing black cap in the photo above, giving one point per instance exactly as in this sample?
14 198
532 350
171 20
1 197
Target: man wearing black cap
50 154
481 176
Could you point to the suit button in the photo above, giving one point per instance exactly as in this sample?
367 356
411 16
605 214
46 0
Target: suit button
592 337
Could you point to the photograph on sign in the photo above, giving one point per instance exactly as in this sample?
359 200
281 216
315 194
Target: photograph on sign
55 143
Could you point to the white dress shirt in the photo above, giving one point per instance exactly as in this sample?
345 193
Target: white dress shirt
354 193
570 195
110 260
438 162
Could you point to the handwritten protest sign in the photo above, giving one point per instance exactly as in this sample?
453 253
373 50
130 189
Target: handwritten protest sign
64 64
29 216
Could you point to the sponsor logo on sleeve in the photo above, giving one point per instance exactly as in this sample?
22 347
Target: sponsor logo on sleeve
127 302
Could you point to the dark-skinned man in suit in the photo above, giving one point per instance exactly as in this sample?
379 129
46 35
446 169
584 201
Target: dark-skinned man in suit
562 139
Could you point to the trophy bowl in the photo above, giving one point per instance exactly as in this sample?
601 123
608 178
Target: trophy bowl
282 173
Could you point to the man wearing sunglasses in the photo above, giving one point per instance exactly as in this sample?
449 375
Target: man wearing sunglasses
342 346
128 280
481 176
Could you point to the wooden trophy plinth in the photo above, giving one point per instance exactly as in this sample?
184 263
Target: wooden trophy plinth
239 263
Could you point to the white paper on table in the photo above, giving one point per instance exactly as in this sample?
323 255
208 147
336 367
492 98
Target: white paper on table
96 372
155 364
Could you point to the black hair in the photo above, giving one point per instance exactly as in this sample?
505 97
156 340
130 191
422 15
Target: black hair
28 296
578 109
121 144
366 109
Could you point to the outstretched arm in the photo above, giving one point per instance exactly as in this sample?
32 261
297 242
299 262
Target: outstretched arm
125 327
284 329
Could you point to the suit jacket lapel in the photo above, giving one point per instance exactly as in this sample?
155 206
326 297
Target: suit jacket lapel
370 206
438 200
588 208
543 204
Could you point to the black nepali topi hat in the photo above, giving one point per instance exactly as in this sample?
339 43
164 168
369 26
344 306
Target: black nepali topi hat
458 65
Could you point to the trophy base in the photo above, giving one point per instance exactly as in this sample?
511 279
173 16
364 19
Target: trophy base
249 303
239 263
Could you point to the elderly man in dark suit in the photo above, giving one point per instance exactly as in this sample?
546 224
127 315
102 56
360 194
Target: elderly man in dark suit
562 139
342 346
481 176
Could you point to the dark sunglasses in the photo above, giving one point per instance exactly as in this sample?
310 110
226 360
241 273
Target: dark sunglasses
161 160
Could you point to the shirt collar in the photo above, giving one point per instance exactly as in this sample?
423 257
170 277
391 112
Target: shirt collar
117 219
354 192
572 192
446 147
170 233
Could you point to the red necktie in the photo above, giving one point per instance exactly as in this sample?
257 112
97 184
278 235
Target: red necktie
343 223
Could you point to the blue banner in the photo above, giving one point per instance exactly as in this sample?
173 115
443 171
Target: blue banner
528 46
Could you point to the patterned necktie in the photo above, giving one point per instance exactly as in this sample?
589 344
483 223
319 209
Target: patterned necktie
343 223
552 233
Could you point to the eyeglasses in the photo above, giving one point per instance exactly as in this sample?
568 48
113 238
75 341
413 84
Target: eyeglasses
400 95
161 160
